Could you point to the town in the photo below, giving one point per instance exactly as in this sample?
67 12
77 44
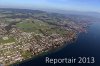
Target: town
24 35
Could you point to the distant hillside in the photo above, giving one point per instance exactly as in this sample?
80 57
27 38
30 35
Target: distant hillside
93 14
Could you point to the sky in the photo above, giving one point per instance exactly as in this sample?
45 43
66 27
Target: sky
75 5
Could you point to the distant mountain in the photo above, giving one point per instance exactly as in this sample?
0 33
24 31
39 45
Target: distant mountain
67 12
94 14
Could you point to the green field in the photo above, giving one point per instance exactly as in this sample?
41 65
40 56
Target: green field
32 27
9 40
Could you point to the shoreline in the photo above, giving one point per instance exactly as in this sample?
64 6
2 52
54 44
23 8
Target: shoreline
56 49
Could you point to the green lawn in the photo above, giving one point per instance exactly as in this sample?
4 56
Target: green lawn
11 39
26 54
37 26
31 27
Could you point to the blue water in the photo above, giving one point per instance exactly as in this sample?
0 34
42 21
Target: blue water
87 45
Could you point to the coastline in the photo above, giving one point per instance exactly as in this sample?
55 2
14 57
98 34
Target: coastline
48 43
52 50
56 49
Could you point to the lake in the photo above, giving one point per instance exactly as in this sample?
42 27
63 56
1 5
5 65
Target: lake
87 45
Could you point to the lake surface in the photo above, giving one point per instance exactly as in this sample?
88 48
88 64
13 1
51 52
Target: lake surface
87 45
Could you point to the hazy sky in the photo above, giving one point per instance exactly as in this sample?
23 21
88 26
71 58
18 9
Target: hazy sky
77 5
